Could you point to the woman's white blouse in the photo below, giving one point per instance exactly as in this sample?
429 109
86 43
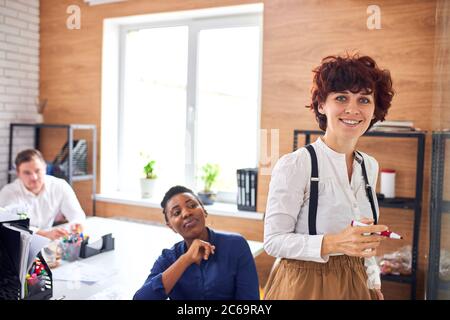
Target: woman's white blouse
286 232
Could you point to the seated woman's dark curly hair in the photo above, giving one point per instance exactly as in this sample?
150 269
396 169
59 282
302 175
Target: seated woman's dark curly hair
173 192
353 73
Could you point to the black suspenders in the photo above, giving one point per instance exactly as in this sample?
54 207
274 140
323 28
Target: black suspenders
368 190
314 190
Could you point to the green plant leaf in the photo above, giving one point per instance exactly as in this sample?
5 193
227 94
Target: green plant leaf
209 176
149 169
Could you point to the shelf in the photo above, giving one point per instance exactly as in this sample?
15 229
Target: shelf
437 288
397 278
61 126
83 177
444 285
70 173
445 206
39 125
407 134
401 203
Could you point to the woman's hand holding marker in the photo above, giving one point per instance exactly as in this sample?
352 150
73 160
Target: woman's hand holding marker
387 233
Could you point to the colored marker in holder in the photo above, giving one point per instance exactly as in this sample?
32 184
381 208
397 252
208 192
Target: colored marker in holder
70 246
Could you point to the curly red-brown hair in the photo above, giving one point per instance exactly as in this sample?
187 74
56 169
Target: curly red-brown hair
353 73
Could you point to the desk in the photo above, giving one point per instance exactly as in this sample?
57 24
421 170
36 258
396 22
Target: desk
137 246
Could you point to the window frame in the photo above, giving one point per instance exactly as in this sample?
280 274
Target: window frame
195 26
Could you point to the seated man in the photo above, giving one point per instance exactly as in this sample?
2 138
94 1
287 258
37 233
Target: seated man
41 196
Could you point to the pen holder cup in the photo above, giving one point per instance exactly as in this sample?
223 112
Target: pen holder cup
70 251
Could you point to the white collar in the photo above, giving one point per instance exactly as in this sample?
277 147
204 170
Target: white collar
335 154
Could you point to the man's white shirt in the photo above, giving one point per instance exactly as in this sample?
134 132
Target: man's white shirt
57 196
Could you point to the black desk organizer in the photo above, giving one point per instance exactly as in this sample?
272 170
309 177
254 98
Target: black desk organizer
88 250
10 286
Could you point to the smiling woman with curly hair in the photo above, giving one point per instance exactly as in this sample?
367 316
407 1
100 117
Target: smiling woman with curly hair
317 191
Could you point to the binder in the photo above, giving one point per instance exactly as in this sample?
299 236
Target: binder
10 285
243 187
15 261
252 189
11 242
238 177
247 189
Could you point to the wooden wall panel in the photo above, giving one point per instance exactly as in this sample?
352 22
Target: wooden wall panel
297 33
107 210
249 228
441 96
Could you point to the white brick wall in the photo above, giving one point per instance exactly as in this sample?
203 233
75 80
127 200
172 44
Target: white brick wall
19 74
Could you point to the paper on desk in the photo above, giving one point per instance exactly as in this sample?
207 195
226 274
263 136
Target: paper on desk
79 271
7 215
37 243
14 211
115 292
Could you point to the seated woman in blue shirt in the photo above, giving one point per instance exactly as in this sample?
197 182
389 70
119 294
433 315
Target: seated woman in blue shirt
207 265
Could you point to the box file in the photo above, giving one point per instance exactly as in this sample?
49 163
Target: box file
247 182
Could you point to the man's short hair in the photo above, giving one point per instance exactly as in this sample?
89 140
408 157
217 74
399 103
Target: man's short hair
28 155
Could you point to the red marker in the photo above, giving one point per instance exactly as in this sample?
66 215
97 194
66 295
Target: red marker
388 234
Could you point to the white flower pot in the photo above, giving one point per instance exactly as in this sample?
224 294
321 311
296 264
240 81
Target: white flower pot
147 187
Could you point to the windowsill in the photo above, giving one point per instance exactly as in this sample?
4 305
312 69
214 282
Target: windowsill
217 209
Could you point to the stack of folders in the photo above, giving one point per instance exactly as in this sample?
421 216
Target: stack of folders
19 248
247 181
393 126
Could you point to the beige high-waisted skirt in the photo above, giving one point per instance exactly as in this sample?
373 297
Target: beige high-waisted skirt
342 277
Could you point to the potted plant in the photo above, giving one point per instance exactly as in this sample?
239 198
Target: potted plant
148 182
209 176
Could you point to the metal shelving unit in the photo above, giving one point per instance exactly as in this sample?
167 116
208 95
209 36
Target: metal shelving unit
438 207
399 202
69 128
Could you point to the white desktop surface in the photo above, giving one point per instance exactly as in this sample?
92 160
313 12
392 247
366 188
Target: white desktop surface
137 246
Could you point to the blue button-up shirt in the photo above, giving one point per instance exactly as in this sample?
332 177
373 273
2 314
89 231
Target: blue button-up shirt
229 274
